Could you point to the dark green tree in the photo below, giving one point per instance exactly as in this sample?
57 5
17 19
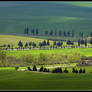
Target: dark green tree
51 33
48 43
20 44
26 31
37 31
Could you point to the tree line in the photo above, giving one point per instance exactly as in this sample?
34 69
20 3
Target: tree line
47 43
56 70
36 32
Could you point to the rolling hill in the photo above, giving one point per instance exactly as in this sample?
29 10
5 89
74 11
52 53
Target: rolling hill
64 16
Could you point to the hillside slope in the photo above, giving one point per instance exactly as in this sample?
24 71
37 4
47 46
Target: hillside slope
63 16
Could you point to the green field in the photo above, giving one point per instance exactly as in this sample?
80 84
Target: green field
82 51
59 16
13 40
20 80
63 16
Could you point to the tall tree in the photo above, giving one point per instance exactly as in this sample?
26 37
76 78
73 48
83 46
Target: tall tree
55 33
86 43
48 43
51 32
81 34
40 44
68 34
9 46
26 31
60 33
34 44
91 34
54 43
20 44
90 41
44 43
26 45
32 32
30 44
37 31
64 34
79 42
73 33
46 33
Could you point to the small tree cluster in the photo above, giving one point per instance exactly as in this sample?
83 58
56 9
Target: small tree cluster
34 68
57 70
80 71
44 69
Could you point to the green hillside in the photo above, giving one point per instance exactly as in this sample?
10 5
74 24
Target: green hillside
14 40
63 16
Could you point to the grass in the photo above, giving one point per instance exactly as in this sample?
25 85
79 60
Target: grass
13 39
62 16
18 80
81 4
82 51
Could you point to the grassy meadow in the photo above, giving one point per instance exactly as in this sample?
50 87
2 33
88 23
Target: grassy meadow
45 16
20 80
82 51
13 40
59 16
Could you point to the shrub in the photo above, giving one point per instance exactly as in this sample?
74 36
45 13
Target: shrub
48 70
76 71
29 68
57 70
73 70
80 71
54 71
84 70
45 70
34 68
41 69
65 71
16 68
60 70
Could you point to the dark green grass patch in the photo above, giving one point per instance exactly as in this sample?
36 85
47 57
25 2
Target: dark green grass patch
20 80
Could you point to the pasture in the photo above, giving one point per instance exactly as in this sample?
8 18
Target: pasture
82 51
13 40
22 80
45 16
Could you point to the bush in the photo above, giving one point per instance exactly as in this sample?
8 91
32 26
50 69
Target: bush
16 68
65 71
53 71
80 71
48 70
73 70
45 70
29 68
57 70
41 69
34 68
60 70
84 70
76 71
